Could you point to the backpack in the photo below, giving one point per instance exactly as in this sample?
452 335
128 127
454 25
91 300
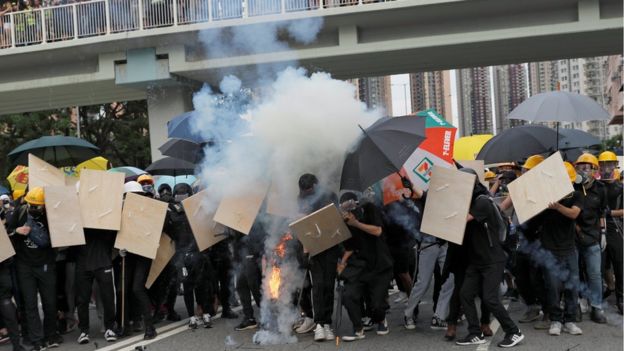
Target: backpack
502 227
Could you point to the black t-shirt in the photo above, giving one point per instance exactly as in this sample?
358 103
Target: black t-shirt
400 222
26 251
485 248
557 232
614 201
594 206
367 247
98 250
179 229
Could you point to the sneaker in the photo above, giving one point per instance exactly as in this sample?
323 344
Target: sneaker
150 333
110 336
207 321
572 329
319 333
247 324
409 323
511 340
368 324
531 315
597 315
83 338
555 328
357 335
438 324
511 294
471 339
193 322
54 341
38 347
306 326
298 322
329 333
544 324
173 317
382 328
229 314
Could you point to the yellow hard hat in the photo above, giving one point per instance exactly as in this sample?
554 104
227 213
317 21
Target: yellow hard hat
533 161
489 175
588 158
145 178
607 156
574 177
35 196
17 193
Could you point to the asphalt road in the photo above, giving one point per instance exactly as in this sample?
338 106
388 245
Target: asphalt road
223 337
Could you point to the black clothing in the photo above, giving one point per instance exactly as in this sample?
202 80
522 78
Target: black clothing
375 290
98 249
484 248
248 283
26 251
594 206
323 276
8 312
614 202
106 288
221 260
40 280
556 231
179 229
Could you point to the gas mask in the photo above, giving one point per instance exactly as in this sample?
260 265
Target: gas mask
586 171
166 196
180 197
36 211
6 204
606 171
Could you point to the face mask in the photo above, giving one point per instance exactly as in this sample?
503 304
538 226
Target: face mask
166 197
179 198
35 211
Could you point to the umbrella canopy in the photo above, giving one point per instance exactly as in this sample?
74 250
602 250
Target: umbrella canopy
128 171
172 181
18 179
171 166
517 143
574 138
57 150
183 149
383 150
559 106
97 163
182 127
467 148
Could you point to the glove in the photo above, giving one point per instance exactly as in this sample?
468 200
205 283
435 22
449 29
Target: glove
603 241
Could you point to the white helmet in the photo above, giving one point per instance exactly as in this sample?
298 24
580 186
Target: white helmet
133 187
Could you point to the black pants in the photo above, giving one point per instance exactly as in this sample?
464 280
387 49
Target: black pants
84 284
614 252
38 280
485 279
529 280
137 301
197 281
8 312
373 285
455 303
248 284
222 265
323 272
305 302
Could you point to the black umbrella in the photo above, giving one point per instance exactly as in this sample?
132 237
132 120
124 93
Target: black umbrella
383 150
574 138
183 149
518 143
58 150
171 166
183 127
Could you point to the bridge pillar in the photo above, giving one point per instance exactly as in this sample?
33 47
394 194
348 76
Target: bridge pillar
164 103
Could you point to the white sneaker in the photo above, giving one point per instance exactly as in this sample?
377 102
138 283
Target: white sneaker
401 297
357 335
207 321
319 333
329 333
555 328
110 336
193 321
572 328
306 326
83 338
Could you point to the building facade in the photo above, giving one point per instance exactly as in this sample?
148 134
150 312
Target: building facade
510 89
375 92
474 103
432 90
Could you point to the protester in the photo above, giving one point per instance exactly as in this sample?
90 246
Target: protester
485 269
8 312
366 266
592 231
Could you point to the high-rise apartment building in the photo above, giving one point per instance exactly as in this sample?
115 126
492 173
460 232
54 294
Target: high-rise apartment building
613 90
432 90
375 92
542 77
510 89
474 101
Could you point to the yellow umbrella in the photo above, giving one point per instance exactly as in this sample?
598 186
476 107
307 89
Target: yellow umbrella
98 163
467 148
18 179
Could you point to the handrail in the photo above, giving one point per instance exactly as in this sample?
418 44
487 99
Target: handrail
103 17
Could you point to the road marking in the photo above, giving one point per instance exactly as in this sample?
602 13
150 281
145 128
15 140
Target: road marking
494 326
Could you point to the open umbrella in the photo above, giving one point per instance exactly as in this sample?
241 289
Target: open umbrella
574 138
171 166
129 171
57 150
383 149
467 148
18 179
183 149
518 143
182 127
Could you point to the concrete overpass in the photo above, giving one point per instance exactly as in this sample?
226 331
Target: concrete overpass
99 58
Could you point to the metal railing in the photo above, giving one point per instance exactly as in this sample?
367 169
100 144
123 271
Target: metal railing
102 17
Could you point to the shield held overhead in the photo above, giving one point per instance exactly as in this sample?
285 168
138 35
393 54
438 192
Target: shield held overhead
321 230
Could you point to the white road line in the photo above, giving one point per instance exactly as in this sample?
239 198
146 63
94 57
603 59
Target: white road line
494 326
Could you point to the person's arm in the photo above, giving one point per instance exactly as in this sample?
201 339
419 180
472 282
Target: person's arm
506 204
343 262
367 228
570 212
495 186
617 213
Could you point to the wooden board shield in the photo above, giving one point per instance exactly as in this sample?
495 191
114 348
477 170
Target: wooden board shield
321 230
6 247
166 250
63 212
101 199
206 231
142 223
478 166
545 183
448 203
41 173
240 212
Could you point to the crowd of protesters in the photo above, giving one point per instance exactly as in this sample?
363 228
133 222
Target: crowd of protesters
566 260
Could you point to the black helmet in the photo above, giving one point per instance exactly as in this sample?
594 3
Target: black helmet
307 182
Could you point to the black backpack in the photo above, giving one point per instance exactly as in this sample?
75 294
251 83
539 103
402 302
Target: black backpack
501 227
